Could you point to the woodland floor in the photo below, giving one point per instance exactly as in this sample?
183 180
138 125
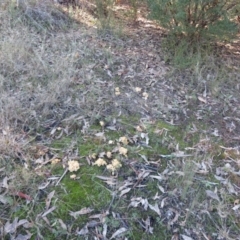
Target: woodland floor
73 91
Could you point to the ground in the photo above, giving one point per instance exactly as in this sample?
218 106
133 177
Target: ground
105 134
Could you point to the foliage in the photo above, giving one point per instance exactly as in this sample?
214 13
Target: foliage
104 8
195 18
107 23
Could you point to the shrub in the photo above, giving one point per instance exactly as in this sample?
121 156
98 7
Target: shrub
196 19
104 13
104 8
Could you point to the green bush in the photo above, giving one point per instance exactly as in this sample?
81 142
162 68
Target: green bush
196 19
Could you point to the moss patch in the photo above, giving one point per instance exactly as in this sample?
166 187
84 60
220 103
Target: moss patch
149 148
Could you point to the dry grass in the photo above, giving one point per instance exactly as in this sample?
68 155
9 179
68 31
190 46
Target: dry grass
37 71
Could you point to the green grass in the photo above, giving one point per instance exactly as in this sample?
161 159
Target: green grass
87 191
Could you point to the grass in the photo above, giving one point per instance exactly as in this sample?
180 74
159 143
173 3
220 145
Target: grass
58 80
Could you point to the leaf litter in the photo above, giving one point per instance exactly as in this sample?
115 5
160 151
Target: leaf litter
165 190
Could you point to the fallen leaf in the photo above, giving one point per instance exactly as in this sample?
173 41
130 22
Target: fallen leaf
174 211
101 216
143 174
135 202
80 212
157 177
180 173
53 131
186 237
124 191
43 185
93 224
155 208
23 195
49 199
63 225
104 233
48 211
144 158
4 132
100 135
236 207
147 223
101 154
23 237
126 184
163 202
109 73
83 231
118 232
5 183
12 227
231 188
161 189
201 99
145 135
212 195
145 203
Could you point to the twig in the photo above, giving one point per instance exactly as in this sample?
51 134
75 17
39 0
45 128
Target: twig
60 179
